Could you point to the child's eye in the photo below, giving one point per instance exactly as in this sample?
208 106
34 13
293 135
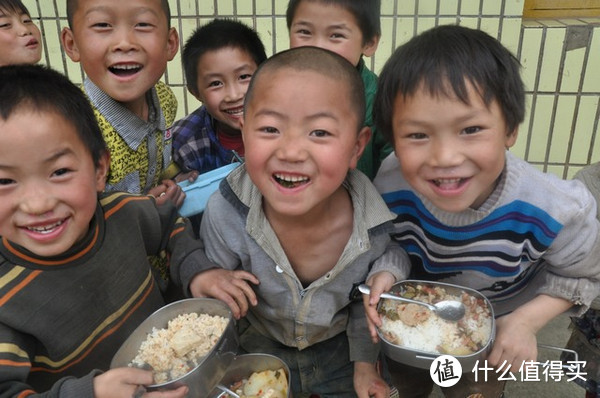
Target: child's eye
144 25
304 32
4 25
337 36
215 83
472 130
417 136
6 181
319 133
246 76
101 25
269 130
61 172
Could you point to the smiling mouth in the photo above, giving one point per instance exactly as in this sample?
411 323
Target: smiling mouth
125 70
238 112
290 181
448 183
46 229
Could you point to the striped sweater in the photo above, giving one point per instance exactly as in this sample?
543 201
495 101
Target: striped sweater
535 234
63 317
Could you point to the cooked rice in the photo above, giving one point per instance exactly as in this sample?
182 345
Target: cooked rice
420 329
173 351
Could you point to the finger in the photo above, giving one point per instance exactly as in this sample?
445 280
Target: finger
246 292
247 276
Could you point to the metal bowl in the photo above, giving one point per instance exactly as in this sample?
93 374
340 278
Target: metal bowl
204 377
243 366
423 359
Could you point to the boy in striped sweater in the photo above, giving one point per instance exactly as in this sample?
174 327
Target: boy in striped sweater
471 213
75 279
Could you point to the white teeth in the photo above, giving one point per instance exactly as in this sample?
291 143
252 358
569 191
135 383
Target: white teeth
448 180
46 228
235 112
126 67
291 178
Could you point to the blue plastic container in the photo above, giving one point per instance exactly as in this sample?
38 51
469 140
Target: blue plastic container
198 192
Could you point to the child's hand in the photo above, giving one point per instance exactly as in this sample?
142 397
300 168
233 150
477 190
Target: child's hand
515 333
168 190
515 342
232 287
190 176
126 382
379 283
368 383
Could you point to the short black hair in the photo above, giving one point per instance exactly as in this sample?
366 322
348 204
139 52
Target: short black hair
215 35
42 89
13 6
366 12
443 60
321 61
73 4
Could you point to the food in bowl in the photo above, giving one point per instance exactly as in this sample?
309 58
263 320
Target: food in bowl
265 384
173 351
416 327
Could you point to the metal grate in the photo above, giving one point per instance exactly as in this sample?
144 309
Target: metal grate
560 60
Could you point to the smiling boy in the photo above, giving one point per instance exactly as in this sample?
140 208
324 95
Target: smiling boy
76 278
470 212
291 229
123 48
219 60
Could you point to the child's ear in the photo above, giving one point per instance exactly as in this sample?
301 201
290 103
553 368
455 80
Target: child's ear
172 43
511 138
364 135
371 46
68 43
102 171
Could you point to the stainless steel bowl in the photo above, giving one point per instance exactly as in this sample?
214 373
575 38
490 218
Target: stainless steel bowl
243 366
204 377
423 359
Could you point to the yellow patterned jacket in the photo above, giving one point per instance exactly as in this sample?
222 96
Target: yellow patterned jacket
140 151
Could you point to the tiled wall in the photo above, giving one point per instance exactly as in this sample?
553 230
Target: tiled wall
561 60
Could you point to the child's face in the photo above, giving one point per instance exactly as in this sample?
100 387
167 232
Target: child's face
48 182
300 140
20 39
331 27
123 46
450 152
223 78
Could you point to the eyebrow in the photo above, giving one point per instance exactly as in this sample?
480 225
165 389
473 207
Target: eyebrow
281 115
341 26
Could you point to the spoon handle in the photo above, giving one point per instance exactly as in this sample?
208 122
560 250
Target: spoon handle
367 290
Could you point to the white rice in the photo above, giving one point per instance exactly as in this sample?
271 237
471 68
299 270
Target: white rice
159 350
436 335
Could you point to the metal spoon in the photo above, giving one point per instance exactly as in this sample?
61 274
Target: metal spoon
450 310
227 391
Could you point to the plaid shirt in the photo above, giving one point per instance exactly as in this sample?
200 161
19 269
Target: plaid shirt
195 143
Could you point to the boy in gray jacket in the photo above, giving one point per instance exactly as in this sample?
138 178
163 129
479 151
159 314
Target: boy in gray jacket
296 227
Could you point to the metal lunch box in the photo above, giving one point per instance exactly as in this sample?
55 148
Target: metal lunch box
423 359
207 374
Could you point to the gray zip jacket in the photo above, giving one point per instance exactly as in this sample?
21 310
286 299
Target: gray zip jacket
237 235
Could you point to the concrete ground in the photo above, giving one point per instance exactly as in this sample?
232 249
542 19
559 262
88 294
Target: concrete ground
556 333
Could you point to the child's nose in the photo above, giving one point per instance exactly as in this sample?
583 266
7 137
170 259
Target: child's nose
291 150
24 30
124 40
445 153
36 201
234 92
